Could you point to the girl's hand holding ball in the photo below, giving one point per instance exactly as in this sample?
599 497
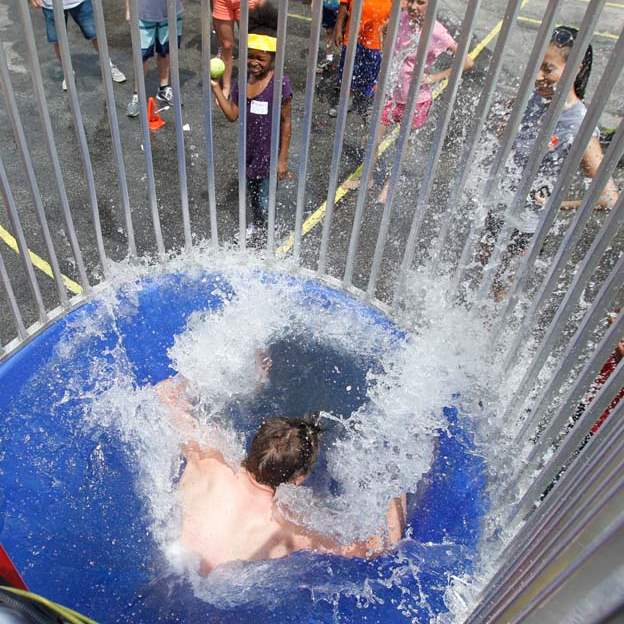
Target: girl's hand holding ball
217 68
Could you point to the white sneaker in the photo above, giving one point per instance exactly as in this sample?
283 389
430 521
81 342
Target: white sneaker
250 233
116 73
132 110
64 84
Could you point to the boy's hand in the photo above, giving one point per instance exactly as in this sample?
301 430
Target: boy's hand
36 4
337 38
569 204
282 170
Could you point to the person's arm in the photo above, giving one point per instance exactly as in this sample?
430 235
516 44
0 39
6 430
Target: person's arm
592 158
127 10
444 74
36 4
340 25
229 108
369 548
285 134
171 393
377 545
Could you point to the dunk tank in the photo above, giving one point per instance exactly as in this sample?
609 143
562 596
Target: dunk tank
380 324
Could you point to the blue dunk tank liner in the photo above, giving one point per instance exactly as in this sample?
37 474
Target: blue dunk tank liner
78 531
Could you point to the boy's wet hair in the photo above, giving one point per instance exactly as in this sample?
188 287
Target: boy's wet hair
565 45
263 20
282 450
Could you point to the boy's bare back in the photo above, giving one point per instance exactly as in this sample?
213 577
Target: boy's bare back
227 516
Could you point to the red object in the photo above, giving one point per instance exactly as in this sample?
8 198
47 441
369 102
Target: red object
155 121
609 366
9 573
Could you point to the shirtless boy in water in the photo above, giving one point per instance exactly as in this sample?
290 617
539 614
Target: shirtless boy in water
231 515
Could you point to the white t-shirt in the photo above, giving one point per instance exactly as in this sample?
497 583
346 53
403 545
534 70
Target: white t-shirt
67 4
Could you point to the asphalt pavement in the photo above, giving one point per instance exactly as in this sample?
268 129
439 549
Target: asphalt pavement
225 139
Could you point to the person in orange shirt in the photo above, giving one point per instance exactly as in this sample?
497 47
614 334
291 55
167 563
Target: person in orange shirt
375 15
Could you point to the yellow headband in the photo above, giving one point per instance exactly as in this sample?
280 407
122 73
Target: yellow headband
265 43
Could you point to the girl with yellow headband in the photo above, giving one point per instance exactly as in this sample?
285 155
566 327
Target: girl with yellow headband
262 45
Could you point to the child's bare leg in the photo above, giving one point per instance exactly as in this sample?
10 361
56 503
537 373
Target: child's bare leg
355 183
329 43
225 38
163 70
383 194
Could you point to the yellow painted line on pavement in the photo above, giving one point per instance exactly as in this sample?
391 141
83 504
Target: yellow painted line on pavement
531 20
610 5
39 262
317 216
305 18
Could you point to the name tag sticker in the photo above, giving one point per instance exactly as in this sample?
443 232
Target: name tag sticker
259 108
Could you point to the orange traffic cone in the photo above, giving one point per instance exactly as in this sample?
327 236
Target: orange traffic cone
155 121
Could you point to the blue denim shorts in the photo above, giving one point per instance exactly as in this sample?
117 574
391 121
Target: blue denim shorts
82 14
365 69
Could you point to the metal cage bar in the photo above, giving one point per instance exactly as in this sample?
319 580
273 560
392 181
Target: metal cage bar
575 501
111 110
44 114
341 123
599 101
575 394
404 132
22 246
490 194
243 28
540 147
139 84
481 112
557 511
570 300
306 125
172 19
22 334
278 78
370 157
206 24
431 169
22 147
74 104
609 229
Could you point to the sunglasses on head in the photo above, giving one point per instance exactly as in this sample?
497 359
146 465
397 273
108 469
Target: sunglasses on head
563 37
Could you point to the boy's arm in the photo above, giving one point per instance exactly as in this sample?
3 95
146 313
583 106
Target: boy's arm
340 25
370 548
171 395
229 108
285 134
127 10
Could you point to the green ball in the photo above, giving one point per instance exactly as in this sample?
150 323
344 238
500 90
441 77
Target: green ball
217 68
